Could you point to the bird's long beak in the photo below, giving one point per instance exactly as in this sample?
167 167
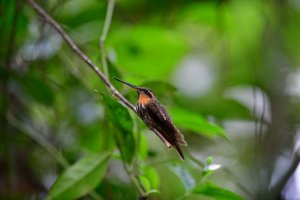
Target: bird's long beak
130 85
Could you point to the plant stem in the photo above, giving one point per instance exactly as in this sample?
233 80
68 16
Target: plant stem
134 180
107 22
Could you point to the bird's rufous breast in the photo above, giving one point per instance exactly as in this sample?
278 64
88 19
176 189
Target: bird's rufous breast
144 99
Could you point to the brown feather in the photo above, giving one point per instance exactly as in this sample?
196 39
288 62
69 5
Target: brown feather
179 151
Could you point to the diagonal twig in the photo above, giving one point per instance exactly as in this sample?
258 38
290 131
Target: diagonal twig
80 53
86 59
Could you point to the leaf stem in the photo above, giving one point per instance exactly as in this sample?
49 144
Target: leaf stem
107 22
134 180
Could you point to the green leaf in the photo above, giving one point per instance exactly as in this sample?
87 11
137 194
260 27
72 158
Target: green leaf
211 190
143 147
80 178
196 123
146 185
113 72
203 13
123 127
209 160
160 88
184 175
151 174
152 191
137 49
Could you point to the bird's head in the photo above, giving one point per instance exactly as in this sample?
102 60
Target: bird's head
145 94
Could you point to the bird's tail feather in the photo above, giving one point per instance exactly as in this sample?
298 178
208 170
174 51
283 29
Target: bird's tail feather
180 138
179 151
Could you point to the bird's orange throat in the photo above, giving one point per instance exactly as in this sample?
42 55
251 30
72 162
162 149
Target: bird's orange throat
144 99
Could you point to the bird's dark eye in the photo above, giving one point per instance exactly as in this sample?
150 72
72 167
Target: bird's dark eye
148 93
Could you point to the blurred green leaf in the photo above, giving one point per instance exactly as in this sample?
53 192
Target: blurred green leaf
202 13
153 191
147 51
151 174
75 13
184 176
113 72
160 88
123 127
211 190
222 108
215 192
143 146
209 160
39 90
80 178
196 123
146 185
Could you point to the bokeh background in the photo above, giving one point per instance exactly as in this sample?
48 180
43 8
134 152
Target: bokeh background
227 70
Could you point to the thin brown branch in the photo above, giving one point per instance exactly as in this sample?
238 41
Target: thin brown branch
94 67
86 59
80 53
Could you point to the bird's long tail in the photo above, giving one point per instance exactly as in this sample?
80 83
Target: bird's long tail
179 151
180 138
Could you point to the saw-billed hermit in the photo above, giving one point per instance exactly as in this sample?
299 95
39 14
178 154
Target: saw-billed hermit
157 118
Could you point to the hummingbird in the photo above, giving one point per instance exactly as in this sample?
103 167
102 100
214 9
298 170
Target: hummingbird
157 118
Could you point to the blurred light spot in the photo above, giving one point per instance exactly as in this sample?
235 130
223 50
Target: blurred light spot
89 113
44 44
49 178
292 188
116 171
239 127
184 175
293 83
280 167
194 77
295 4
112 55
297 141
212 167
255 100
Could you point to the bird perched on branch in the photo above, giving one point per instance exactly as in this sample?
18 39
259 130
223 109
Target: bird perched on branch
157 118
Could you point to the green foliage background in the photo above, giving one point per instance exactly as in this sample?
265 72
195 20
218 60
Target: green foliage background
64 136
